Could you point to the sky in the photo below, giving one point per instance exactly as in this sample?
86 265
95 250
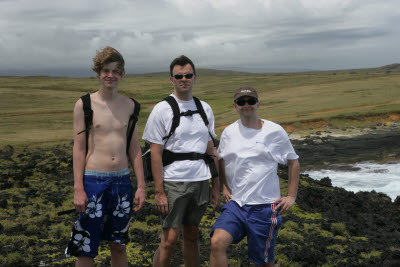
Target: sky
60 38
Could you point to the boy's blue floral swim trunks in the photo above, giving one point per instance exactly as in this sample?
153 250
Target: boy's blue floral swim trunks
107 216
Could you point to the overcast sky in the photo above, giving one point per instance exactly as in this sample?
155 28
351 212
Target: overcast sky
54 37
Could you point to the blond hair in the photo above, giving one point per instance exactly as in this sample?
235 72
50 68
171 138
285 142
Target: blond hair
106 56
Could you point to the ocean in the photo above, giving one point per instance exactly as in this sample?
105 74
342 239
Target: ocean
366 176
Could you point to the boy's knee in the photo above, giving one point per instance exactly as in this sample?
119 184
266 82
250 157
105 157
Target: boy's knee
169 243
84 261
117 248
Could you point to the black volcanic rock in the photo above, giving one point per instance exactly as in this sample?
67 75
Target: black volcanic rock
333 152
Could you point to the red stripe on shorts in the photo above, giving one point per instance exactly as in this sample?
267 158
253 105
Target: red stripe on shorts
274 222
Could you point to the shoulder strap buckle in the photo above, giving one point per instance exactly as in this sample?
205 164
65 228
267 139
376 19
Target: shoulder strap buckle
189 112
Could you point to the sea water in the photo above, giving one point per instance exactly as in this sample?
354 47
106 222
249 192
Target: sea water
366 176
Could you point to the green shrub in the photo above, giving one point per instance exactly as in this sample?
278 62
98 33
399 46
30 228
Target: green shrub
312 227
13 257
339 228
338 248
296 211
290 235
359 238
137 255
374 253
33 228
291 225
57 230
341 238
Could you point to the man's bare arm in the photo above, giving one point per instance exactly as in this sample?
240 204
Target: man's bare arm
285 203
160 201
135 156
215 195
226 191
79 158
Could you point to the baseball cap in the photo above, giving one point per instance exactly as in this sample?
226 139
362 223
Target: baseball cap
245 91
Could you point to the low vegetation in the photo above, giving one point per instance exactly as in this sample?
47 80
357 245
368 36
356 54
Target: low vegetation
36 183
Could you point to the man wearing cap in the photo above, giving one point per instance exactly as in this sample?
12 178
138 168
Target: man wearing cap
249 152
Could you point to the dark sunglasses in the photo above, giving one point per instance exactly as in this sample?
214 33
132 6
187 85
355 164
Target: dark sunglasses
242 101
180 76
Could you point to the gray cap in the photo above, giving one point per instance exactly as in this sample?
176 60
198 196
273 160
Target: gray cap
245 91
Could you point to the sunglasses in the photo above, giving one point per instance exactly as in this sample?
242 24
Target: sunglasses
180 76
242 101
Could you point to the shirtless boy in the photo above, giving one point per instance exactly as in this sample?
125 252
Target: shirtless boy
103 194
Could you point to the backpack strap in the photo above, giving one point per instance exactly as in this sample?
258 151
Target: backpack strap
200 109
176 116
132 123
203 115
88 116
168 157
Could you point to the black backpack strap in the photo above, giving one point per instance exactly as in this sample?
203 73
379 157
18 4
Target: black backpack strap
176 116
203 115
132 122
200 109
169 157
88 116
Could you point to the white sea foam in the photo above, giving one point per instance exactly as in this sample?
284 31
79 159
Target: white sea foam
383 178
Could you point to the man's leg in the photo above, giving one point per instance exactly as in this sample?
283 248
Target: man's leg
262 232
118 255
83 261
190 245
220 242
162 257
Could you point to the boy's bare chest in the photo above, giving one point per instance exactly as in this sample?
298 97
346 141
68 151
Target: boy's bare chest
110 118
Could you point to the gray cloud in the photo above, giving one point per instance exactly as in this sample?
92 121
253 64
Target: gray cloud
253 35
330 37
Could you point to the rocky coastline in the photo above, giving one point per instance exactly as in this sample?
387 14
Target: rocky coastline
336 148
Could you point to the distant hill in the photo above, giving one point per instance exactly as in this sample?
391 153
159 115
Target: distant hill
394 66
200 72
87 72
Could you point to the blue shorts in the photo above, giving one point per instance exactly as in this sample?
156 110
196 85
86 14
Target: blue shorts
107 216
260 223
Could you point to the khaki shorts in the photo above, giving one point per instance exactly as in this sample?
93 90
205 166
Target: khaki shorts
187 202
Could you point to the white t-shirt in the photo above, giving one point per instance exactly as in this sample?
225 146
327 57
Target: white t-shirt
251 161
191 135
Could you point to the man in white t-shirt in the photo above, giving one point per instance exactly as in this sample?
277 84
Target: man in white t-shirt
182 190
249 152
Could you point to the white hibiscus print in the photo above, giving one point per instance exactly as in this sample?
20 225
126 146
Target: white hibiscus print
82 242
79 237
121 237
94 208
123 208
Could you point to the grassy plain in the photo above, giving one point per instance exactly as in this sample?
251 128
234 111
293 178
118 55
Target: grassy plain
37 110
